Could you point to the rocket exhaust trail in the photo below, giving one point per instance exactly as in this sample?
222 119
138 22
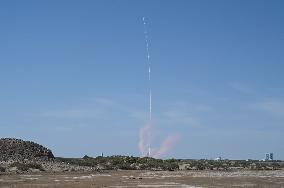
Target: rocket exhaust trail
149 66
149 76
146 132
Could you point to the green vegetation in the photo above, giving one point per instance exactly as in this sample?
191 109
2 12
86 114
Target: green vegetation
230 165
123 163
148 163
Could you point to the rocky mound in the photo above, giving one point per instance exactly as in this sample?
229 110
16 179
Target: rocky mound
19 150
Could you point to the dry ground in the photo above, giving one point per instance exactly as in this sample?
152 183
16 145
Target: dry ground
131 179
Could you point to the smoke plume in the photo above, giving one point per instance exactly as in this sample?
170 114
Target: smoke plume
145 142
166 146
145 137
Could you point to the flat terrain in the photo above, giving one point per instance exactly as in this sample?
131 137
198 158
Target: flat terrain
129 179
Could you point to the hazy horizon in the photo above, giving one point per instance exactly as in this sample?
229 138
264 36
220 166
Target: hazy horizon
74 76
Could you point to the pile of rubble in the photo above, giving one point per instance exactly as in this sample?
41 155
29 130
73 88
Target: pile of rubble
12 149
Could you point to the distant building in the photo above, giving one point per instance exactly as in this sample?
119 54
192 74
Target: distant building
218 159
149 152
269 157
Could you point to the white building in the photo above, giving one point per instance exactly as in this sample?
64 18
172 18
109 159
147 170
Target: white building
269 157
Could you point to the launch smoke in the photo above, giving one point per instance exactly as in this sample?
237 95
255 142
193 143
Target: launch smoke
145 138
166 146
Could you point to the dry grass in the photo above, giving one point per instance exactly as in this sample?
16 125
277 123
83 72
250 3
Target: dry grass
129 179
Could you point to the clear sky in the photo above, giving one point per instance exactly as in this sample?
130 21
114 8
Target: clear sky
73 76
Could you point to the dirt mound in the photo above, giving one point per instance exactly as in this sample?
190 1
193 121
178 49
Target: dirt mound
19 150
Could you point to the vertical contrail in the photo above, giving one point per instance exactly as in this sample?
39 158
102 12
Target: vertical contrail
149 75
146 132
149 66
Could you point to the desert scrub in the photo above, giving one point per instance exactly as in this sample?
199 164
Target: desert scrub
27 166
2 169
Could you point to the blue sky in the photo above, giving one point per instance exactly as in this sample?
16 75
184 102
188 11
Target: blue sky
73 76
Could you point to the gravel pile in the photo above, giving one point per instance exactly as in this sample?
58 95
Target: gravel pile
12 149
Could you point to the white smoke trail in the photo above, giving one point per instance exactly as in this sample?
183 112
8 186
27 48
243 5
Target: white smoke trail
146 132
149 65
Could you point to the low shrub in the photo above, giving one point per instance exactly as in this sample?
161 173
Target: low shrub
27 166
2 169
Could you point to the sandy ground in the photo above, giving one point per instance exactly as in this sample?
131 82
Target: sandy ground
131 179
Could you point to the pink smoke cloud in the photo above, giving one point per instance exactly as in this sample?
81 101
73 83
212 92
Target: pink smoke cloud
145 141
167 145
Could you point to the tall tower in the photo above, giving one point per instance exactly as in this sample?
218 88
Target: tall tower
271 156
